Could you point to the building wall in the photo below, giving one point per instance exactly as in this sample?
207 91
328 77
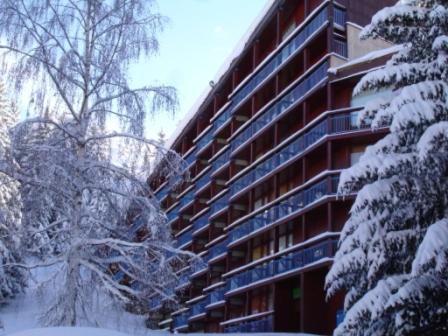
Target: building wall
264 153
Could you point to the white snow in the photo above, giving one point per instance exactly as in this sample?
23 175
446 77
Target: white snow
367 58
68 332
105 332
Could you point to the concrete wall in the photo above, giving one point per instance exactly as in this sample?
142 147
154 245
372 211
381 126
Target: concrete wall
357 47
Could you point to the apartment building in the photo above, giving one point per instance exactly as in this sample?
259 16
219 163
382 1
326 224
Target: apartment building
264 148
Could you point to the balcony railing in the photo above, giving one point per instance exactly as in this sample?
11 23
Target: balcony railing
220 204
332 125
202 221
191 157
294 95
216 296
173 213
203 181
218 249
155 302
264 324
223 117
340 17
287 263
340 47
184 238
314 25
205 139
181 320
198 308
286 207
221 160
186 199
162 193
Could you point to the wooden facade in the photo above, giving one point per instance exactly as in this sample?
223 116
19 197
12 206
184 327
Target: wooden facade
264 152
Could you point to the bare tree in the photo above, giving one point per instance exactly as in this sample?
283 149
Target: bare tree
79 180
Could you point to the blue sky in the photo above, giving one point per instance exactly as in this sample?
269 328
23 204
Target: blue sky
200 36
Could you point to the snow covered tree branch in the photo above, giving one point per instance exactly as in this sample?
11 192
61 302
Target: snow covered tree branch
392 257
79 182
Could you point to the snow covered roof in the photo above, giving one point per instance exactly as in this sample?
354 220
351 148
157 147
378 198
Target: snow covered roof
240 47
367 58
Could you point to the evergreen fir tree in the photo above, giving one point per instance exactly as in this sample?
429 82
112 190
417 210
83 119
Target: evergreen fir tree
393 254
12 278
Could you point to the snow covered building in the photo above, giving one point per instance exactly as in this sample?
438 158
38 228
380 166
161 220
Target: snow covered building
264 146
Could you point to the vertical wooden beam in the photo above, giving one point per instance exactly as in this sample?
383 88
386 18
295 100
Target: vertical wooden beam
255 54
302 302
278 26
330 29
235 77
330 216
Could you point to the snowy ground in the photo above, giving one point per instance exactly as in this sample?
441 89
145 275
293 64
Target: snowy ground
21 318
104 332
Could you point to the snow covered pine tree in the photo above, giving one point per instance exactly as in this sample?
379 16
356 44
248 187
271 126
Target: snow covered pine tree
12 278
78 180
393 254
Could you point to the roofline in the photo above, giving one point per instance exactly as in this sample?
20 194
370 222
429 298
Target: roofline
224 71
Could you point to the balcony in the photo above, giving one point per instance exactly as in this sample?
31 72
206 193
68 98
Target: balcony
181 320
203 181
218 249
222 159
173 213
290 262
198 309
282 55
340 17
265 324
285 208
220 204
155 302
216 297
162 193
333 125
186 199
340 47
184 239
292 97
201 222
191 157
222 118
205 140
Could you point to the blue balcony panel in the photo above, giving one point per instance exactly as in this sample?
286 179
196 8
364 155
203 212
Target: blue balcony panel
296 42
201 221
184 239
220 249
219 204
198 309
296 94
330 126
216 298
264 324
340 17
180 321
288 263
286 207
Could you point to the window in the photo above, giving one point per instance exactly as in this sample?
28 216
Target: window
356 153
286 236
262 301
263 248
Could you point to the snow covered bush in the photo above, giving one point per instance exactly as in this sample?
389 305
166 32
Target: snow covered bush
83 186
393 252
12 278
